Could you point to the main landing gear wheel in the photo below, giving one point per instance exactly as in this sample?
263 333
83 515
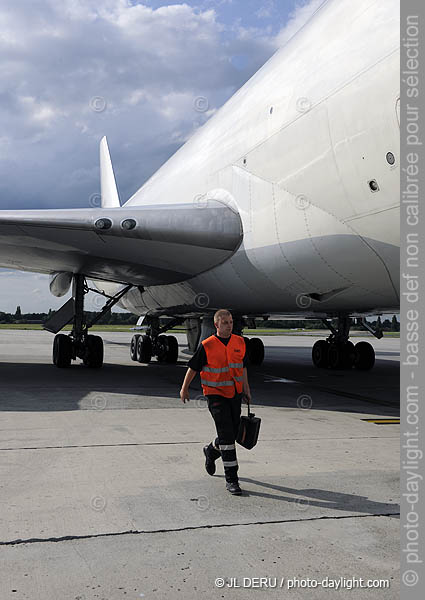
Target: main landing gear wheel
143 348
62 351
337 352
167 349
155 343
133 347
364 356
79 344
341 355
255 351
93 356
172 350
320 353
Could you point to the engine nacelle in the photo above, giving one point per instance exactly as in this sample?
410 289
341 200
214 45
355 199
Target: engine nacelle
60 284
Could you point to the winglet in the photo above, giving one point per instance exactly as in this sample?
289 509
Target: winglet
108 186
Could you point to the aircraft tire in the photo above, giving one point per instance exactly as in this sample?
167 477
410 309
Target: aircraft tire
172 349
144 349
133 347
319 354
93 357
255 350
335 356
62 351
161 348
341 356
349 355
364 356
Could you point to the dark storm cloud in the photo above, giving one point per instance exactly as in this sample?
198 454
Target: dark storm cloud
145 62
146 67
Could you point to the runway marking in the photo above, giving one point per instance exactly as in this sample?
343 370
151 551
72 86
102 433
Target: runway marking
383 421
272 379
189 528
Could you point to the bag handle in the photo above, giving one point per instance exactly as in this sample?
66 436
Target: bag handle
250 414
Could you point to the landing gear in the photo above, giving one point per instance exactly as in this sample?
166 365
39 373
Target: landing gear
155 343
62 351
78 344
93 352
255 351
337 352
133 347
143 349
254 346
165 348
320 354
364 356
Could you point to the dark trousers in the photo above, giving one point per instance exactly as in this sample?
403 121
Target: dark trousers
226 413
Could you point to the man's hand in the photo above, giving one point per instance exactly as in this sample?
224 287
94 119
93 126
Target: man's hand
184 395
188 378
245 387
246 398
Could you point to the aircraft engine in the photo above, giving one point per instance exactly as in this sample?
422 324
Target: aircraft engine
60 284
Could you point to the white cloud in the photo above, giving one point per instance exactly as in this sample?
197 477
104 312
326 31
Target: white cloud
298 18
28 290
146 66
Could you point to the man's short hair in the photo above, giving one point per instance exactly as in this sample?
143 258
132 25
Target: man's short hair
221 313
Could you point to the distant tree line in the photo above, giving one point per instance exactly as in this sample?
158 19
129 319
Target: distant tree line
109 318
124 318
385 325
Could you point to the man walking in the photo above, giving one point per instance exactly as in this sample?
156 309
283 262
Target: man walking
221 360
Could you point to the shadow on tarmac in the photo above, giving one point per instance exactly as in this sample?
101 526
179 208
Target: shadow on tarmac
278 382
322 499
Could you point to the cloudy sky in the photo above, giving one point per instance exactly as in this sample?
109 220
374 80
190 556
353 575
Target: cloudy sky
146 74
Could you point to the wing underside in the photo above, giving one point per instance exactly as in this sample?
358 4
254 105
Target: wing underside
144 245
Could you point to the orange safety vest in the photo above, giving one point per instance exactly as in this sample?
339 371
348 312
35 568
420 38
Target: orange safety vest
224 369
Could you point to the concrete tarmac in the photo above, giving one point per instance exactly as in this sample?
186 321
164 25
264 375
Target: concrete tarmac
104 495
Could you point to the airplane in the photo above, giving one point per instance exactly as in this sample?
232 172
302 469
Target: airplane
286 202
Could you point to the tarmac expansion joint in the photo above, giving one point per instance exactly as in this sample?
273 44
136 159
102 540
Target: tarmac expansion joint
67 538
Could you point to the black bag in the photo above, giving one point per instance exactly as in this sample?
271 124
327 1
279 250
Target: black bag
249 429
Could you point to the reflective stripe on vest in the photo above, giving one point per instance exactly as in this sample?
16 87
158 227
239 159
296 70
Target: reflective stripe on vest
223 373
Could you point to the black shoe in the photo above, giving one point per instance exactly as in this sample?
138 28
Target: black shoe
209 462
233 488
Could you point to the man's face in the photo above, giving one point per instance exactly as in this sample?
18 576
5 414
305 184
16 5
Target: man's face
224 326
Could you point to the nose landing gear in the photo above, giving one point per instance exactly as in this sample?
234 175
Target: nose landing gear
337 352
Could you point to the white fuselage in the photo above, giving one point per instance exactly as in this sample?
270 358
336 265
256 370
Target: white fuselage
295 152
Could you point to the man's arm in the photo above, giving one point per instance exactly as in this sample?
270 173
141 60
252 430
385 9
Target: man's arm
184 392
245 384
